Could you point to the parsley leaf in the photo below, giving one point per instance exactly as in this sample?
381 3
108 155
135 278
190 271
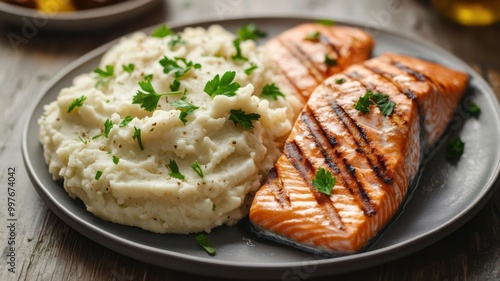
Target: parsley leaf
82 140
270 91
176 40
137 136
76 103
175 173
250 32
222 86
125 121
340 81
205 243
162 31
313 36
148 77
363 103
239 116
238 56
330 62
171 66
175 85
107 128
116 160
383 102
324 181
197 168
98 175
185 107
104 76
128 68
455 149
326 22
474 110
148 98
252 67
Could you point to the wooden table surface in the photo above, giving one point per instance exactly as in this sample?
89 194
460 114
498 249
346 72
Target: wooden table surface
48 249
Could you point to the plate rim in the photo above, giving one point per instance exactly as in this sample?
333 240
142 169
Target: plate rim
394 251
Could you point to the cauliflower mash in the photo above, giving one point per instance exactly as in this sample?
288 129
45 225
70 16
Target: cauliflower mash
171 134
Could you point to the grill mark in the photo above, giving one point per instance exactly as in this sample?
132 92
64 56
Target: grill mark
304 58
376 161
325 40
388 77
276 184
304 167
419 76
360 192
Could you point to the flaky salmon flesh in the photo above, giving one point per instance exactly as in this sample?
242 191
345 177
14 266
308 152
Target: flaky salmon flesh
373 156
310 52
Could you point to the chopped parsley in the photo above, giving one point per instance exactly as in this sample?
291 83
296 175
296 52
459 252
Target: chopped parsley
148 98
107 128
104 76
76 103
205 243
324 181
128 68
98 175
251 32
162 31
172 66
82 140
125 121
222 86
474 110
313 36
326 22
185 107
137 136
239 116
175 85
176 40
455 149
383 102
116 160
238 57
148 77
252 67
330 62
197 168
340 81
270 91
174 170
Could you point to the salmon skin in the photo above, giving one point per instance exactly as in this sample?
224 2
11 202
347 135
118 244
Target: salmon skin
374 157
310 52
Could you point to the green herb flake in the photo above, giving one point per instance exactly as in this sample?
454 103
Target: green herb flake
239 116
148 77
324 181
176 40
162 31
252 67
128 68
76 103
174 170
108 124
205 243
116 160
197 168
327 22
474 110
148 98
238 57
175 85
172 66
185 107
104 76
383 102
313 36
222 86
455 149
125 121
98 175
82 140
330 62
251 32
363 103
271 91
137 136
340 81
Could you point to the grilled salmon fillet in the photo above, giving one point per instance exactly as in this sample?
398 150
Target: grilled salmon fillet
374 157
309 53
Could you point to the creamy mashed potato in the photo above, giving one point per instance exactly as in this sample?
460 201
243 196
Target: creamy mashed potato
123 171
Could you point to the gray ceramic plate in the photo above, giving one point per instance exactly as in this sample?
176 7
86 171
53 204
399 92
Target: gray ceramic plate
445 198
80 20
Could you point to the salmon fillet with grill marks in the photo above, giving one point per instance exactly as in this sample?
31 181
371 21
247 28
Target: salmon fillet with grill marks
374 157
301 53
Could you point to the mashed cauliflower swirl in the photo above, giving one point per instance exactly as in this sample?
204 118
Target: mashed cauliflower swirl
117 157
